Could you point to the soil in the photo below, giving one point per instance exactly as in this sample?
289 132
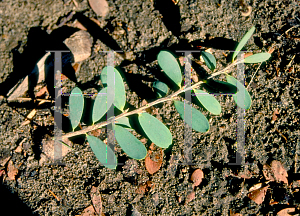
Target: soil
32 185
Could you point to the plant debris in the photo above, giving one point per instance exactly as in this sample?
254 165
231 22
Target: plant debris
287 212
258 196
190 197
151 165
268 172
12 171
89 211
96 200
279 171
197 177
274 115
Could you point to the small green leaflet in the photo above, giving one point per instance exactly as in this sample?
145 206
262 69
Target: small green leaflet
209 59
256 58
160 88
243 42
100 106
120 96
76 103
129 143
156 131
242 93
197 121
208 101
216 86
124 121
104 154
170 66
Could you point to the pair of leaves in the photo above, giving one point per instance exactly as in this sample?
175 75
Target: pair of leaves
112 79
169 64
256 58
156 131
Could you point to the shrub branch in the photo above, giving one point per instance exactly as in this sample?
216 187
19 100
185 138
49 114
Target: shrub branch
141 109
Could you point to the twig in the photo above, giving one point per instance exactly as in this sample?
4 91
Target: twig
287 67
29 99
253 75
141 109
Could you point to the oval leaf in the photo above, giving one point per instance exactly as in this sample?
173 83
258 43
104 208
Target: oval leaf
243 42
256 58
124 122
116 79
198 121
208 101
130 144
160 88
156 131
170 66
104 154
209 59
100 106
151 165
76 103
216 86
242 98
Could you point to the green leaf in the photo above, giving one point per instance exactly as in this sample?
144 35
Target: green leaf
170 66
197 121
116 78
76 103
241 95
100 106
156 131
216 86
208 101
160 88
130 144
243 42
104 154
124 121
256 58
209 59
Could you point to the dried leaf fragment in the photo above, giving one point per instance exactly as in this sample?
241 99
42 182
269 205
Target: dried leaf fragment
100 7
4 158
96 200
89 211
190 197
42 92
151 165
268 172
286 212
197 177
258 196
275 113
12 171
279 171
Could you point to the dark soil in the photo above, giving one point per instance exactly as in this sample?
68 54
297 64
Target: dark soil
142 28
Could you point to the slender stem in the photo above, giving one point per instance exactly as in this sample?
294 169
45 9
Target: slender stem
141 109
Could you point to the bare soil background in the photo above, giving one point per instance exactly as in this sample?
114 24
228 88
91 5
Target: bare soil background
142 28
